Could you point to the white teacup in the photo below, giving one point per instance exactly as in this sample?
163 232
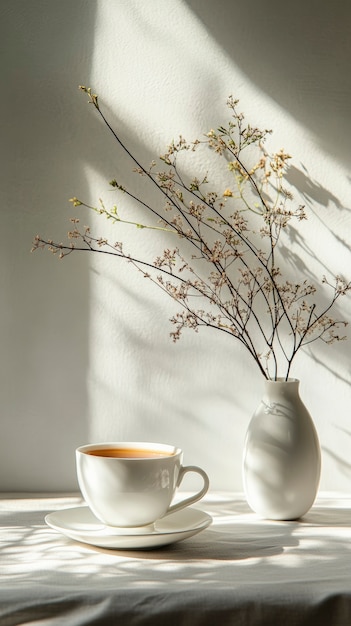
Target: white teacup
132 484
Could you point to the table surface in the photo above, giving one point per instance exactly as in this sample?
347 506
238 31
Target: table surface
241 570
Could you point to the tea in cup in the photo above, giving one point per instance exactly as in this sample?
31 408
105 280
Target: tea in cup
132 484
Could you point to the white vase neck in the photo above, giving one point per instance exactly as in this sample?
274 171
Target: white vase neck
282 387
289 381
281 382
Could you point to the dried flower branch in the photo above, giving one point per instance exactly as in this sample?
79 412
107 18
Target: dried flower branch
231 265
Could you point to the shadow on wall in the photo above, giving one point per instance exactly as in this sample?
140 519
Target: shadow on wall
46 50
49 141
298 53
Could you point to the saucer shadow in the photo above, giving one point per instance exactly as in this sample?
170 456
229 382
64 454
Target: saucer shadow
221 542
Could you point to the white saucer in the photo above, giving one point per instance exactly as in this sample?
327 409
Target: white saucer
81 524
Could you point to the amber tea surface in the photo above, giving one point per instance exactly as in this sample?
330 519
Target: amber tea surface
129 453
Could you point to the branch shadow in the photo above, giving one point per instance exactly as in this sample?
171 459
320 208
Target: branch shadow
298 54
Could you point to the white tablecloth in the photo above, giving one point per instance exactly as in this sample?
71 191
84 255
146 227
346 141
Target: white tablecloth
240 571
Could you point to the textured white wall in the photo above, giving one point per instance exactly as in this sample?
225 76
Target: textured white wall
85 345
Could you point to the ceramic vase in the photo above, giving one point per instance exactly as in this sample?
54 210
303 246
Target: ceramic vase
282 457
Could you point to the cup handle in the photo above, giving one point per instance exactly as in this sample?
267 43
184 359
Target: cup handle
197 496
